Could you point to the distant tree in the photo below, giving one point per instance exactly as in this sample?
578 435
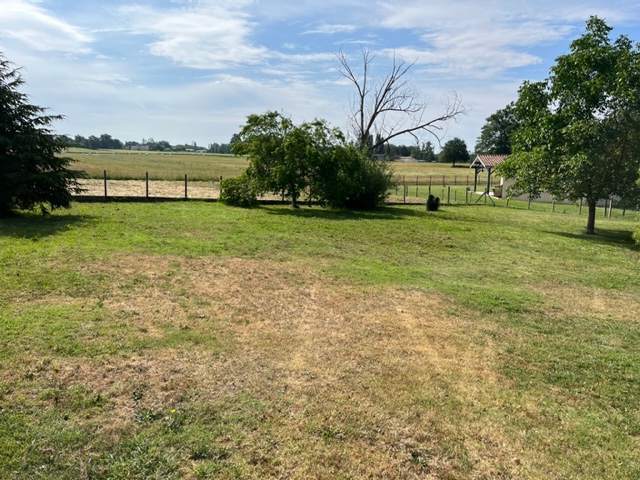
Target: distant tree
386 108
579 133
32 173
93 142
454 151
427 153
495 135
79 141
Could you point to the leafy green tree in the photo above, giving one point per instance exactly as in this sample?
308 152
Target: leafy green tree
495 135
454 151
282 155
579 132
32 173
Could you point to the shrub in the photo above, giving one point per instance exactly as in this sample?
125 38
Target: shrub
238 191
433 203
348 178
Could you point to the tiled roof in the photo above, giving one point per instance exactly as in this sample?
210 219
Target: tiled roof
488 160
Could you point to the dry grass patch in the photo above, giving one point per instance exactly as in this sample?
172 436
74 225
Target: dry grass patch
562 300
310 377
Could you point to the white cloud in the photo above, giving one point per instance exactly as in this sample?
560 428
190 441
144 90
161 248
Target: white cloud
330 29
39 30
204 35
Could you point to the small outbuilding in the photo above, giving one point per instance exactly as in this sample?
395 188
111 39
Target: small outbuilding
485 162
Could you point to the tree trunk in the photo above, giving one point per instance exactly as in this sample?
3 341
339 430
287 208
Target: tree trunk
591 219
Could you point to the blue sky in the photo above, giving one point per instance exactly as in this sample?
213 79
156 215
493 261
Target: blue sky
192 70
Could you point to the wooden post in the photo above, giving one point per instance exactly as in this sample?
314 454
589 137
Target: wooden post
455 197
506 205
449 195
147 184
443 180
185 187
105 184
580 207
553 204
404 190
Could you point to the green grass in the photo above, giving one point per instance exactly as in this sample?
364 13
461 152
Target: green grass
194 340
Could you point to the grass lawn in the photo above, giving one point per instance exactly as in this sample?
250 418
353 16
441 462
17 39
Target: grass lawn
193 340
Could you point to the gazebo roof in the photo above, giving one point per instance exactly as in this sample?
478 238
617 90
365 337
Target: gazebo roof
487 161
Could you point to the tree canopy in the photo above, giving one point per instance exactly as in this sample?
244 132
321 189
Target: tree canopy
454 151
579 132
32 173
495 135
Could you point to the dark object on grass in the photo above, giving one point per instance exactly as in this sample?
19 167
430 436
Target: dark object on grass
433 203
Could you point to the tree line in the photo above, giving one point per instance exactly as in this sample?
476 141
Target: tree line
106 141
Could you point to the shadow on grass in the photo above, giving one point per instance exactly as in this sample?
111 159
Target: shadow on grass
383 213
33 226
618 238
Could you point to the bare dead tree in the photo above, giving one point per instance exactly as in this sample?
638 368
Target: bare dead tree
389 107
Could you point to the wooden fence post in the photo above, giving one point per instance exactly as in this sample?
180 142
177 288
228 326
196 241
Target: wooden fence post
404 190
147 184
185 186
105 184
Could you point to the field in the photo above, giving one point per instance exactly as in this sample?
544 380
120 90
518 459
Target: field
193 340
133 165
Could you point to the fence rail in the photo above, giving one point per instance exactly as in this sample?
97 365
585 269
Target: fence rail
451 189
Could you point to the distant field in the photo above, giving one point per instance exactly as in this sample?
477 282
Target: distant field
189 340
133 165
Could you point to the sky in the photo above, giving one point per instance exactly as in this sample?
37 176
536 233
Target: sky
189 71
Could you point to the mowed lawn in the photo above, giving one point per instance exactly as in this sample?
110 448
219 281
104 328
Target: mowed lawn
194 340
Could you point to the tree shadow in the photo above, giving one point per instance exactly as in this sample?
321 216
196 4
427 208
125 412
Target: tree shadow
32 226
382 213
618 238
